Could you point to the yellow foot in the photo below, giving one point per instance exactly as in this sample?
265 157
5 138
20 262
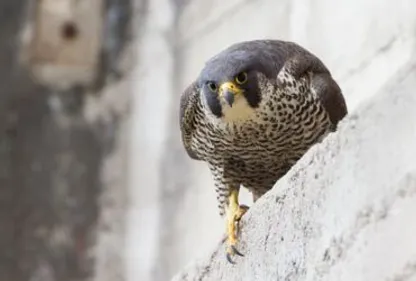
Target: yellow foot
234 214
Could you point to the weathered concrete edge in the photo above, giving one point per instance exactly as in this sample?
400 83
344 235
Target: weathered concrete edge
214 266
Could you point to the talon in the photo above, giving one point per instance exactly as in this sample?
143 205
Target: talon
242 209
236 251
232 250
229 258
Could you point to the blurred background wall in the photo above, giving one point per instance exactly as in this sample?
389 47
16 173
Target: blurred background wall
173 216
63 149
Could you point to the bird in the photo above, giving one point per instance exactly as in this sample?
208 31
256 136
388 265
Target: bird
253 111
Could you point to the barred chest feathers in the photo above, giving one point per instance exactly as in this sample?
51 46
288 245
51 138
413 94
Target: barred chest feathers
288 116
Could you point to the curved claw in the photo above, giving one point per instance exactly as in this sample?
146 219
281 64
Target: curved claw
228 255
233 251
241 211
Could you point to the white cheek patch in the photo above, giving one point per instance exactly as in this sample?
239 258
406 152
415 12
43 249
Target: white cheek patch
240 111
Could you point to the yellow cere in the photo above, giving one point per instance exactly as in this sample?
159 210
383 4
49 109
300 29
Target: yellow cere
230 86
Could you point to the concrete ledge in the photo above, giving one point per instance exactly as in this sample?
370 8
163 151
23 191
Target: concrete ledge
346 211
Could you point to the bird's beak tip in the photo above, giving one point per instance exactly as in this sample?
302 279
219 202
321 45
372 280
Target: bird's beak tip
229 98
229 91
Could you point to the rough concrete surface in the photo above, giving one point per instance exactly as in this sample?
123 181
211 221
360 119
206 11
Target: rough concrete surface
345 211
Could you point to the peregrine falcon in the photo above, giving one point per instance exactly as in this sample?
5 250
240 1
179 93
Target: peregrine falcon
254 110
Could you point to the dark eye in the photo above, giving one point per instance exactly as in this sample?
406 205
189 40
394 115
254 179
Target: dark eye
212 86
241 78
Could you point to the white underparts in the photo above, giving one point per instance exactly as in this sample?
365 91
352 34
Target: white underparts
240 110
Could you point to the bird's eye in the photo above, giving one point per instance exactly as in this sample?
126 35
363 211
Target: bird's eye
241 78
212 86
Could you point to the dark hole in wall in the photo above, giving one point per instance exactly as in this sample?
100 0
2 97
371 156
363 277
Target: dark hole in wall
69 31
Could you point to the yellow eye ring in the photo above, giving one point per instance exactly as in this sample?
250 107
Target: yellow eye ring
212 86
241 78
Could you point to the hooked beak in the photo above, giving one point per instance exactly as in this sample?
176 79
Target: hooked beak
228 90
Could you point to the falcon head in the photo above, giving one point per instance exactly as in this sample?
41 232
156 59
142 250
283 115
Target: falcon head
230 81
